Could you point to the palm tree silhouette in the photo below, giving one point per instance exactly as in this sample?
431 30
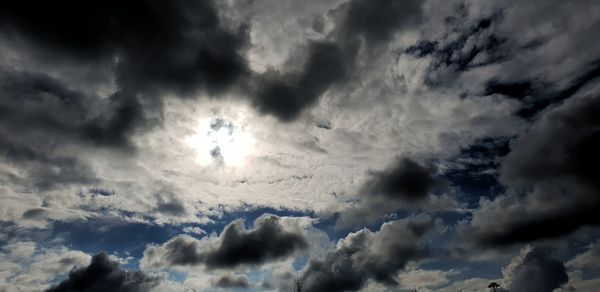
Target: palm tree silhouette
493 285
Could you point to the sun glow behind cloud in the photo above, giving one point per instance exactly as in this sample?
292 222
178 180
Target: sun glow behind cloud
221 140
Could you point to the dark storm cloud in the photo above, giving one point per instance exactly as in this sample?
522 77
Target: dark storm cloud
368 255
333 60
552 178
157 47
406 180
535 270
236 246
286 96
104 274
173 45
517 90
232 281
182 47
405 183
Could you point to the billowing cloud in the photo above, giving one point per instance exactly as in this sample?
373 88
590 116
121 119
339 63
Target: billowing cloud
365 255
164 121
583 271
550 172
534 270
27 266
104 274
333 60
405 184
407 180
232 281
268 240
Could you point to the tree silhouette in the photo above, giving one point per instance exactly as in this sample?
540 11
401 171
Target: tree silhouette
493 285
298 285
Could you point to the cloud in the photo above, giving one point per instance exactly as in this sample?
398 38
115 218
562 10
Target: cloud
406 180
405 184
589 260
472 44
534 270
27 266
103 274
232 281
333 60
413 277
268 240
551 177
472 285
155 48
583 271
365 255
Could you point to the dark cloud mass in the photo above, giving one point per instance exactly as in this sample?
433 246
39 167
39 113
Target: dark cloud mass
157 47
103 274
406 180
370 255
268 240
535 270
554 165
333 61
231 281
405 183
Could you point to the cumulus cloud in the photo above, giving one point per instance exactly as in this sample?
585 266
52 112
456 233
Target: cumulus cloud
553 187
405 184
333 60
534 270
365 255
232 281
103 274
166 47
27 266
268 240
583 271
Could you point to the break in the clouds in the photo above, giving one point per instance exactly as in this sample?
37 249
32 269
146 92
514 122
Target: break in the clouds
332 145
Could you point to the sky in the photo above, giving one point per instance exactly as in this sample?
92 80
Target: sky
312 145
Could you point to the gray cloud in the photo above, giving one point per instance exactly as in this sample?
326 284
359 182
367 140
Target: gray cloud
534 270
268 240
103 274
332 61
368 255
404 184
550 172
166 47
232 281
406 180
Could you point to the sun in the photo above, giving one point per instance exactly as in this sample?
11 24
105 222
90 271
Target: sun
222 141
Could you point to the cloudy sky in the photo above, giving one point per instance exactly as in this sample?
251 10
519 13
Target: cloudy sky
343 145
